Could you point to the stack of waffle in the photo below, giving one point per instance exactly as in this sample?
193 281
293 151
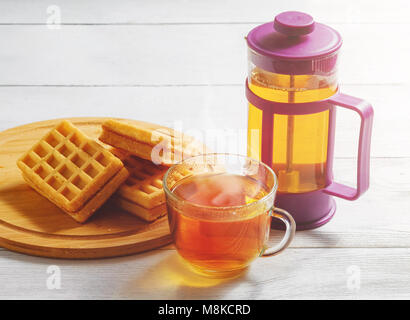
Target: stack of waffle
142 193
147 151
79 175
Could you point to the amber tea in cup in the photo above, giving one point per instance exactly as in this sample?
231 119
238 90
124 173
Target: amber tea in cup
220 208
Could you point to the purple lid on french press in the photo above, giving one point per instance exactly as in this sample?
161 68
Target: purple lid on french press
294 44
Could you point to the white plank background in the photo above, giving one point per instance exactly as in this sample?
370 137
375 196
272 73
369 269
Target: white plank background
184 62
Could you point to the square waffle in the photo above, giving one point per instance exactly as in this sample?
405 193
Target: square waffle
144 185
71 169
96 201
161 145
142 193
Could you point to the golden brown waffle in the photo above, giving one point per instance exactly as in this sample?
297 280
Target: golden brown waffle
144 185
151 142
68 168
142 193
96 201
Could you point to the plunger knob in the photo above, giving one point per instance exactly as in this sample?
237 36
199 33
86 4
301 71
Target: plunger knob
294 23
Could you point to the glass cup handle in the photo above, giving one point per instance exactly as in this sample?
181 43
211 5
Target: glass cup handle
290 224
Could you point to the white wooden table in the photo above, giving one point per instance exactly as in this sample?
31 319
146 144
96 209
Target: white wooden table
185 61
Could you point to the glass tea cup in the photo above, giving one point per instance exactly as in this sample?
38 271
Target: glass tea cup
220 208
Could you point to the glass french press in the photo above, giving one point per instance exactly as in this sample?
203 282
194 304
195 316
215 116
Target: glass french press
293 92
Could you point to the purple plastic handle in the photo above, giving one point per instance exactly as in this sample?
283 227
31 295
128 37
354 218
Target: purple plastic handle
365 111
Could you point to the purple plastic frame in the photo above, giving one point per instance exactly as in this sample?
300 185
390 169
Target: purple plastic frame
312 216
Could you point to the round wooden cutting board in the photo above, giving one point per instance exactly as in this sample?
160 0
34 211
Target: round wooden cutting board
31 224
